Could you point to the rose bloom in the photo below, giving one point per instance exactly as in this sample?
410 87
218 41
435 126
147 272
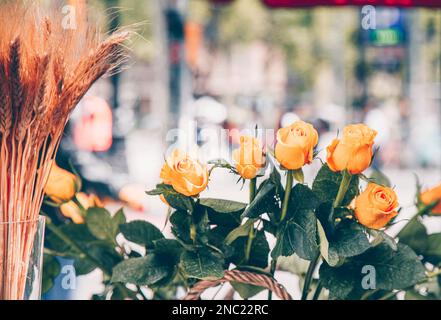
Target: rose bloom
187 176
71 210
61 185
249 157
295 145
430 196
376 206
353 151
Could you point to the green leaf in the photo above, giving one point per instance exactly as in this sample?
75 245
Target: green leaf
259 251
78 232
119 217
301 198
241 231
381 236
147 270
52 269
168 249
433 250
298 235
141 232
337 281
393 270
203 265
173 198
327 183
181 221
349 240
380 178
246 291
223 206
298 175
414 234
100 224
264 202
330 257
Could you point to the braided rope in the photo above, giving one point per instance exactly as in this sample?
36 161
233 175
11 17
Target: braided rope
260 280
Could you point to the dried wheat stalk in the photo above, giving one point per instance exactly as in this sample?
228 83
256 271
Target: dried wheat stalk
45 70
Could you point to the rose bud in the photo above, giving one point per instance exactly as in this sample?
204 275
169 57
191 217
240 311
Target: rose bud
376 206
61 185
295 145
249 157
430 196
353 151
73 211
187 176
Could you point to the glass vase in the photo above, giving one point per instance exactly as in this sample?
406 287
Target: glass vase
21 259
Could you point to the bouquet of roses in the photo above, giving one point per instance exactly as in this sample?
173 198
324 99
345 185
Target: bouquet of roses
337 225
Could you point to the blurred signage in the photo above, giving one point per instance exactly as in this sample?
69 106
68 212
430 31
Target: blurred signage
390 29
312 3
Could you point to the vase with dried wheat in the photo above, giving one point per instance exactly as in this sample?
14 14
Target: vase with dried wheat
45 70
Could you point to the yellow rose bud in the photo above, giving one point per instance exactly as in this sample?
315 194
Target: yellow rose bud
353 151
376 206
73 211
295 145
61 185
430 196
249 157
187 176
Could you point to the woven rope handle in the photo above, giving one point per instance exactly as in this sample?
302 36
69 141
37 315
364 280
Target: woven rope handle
259 280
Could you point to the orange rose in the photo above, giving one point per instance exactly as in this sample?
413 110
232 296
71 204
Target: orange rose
187 176
61 185
249 158
295 145
73 211
376 206
432 195
354 151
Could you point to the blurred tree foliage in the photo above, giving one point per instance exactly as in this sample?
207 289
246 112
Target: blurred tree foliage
133 13
306 37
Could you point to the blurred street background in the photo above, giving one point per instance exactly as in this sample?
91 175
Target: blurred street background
199 66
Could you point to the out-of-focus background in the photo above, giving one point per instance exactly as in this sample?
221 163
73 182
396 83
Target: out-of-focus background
200 66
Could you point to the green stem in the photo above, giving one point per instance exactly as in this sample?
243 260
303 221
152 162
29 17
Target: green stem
344 185
78 203
272 272
308 277
251 232
289 183
422 211
253 183
285 204
318 290
389 295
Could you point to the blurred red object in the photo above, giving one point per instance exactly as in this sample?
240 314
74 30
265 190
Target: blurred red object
312 3
93 132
